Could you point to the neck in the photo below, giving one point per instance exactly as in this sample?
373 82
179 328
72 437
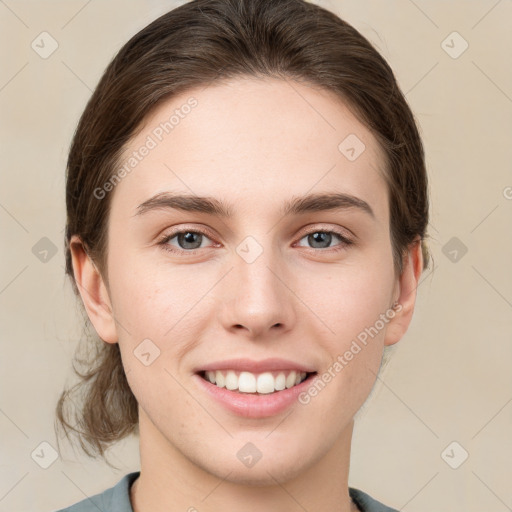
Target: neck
169 481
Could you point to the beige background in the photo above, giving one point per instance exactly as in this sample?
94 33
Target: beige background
450 378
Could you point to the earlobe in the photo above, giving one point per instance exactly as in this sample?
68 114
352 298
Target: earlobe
408 283
93 292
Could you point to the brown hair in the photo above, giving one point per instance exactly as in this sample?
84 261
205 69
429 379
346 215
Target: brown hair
192 45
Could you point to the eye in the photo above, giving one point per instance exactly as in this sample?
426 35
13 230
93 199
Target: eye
188 240
322 240
191 241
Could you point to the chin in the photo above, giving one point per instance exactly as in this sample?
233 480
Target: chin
267 471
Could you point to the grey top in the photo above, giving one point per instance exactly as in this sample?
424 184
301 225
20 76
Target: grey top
117 499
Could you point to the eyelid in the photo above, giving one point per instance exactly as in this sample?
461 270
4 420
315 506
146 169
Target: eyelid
346 240
313 228
183 228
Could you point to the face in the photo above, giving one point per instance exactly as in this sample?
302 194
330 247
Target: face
281 283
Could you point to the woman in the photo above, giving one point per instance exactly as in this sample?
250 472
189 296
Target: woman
247 209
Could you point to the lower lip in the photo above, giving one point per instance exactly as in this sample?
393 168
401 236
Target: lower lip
254 406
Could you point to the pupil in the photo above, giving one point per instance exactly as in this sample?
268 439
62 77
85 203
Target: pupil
188 238
317 237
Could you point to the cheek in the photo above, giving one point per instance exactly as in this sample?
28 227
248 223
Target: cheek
146 294
354 298
355 309
160 303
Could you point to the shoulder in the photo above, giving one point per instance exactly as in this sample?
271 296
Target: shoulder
114 499
366 503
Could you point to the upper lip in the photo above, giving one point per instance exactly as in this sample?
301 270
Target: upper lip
249 365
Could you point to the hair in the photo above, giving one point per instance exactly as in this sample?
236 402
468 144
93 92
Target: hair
200 42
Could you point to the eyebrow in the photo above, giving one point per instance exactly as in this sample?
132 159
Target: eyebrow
295 206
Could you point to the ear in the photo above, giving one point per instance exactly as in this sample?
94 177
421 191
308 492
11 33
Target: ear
93 292
407 284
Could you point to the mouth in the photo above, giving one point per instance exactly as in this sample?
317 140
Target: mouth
264 383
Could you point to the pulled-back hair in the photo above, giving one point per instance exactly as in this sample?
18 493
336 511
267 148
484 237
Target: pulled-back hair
198 43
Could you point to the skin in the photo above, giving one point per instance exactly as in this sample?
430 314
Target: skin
253 143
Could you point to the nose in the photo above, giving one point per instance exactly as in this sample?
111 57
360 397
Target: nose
260 301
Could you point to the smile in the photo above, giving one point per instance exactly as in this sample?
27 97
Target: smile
256 383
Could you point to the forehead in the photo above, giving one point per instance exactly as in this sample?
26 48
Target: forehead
252 139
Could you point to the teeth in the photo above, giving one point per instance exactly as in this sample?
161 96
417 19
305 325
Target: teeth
290 380
280 382
247 382
219 379
265 383
231 381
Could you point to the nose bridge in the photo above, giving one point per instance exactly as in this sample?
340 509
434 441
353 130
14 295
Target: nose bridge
259 298
256 268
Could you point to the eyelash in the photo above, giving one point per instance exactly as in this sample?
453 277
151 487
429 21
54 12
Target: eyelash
345 242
